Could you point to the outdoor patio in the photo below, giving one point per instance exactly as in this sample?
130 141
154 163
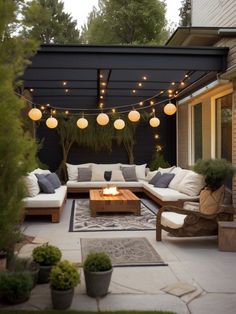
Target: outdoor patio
196 261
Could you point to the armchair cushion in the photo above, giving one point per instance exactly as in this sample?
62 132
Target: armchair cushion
172 220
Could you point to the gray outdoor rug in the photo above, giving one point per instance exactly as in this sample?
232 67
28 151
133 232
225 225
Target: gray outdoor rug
81 219
123 251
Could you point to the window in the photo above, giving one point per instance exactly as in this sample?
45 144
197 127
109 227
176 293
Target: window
196 132
224 127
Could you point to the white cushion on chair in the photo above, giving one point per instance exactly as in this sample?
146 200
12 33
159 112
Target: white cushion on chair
172 220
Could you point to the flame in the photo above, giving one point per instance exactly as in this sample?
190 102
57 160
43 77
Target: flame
110 191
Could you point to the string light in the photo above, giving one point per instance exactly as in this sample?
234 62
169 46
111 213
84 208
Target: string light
82 123
154 122
113 110
151 102
144 78
134 91
170 109
119 124
156 136
141 103
102 119
103 91
31 89
140 84
66 90
173 83
101 97
134 116
182 83
101 76
64 83
35 114
103 84
51 123
66 112
42 107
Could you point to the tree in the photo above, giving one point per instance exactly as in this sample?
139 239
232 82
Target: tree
17 148
185 13
46 21
126 22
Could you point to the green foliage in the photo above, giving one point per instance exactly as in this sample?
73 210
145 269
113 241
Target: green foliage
97 261
64 276
15 287
46 255
126 22
46 21
21 264
185 13
158 161
215 171
17 149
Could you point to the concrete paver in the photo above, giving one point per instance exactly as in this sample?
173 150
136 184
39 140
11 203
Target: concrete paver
196 261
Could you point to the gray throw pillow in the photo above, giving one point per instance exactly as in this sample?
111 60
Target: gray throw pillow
155 178
84 174
45 185
164 180
129 173
53 178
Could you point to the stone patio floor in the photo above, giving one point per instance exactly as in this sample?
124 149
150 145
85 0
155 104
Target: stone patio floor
195 261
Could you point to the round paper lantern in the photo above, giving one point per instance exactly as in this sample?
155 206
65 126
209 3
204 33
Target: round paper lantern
154 122
119 124
170 109
82 123
35 114
134 115
51 123
102 119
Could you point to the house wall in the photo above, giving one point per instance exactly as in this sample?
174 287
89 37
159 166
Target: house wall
234 139
214 13
231 44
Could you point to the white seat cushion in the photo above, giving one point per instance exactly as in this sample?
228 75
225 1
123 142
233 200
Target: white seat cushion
46 200
103 184
172 220
166 194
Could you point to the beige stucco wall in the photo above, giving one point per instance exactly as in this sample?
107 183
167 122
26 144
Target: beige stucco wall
214 13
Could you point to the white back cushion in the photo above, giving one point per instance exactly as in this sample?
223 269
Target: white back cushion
165 170
179 175
192 184
31 184
105 167
97 176
72 170
150 175
117 175
139 169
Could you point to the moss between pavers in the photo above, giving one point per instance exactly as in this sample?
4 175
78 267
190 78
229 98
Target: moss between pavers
82 312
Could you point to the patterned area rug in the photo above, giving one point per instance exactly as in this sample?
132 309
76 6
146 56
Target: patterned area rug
124 251
81 219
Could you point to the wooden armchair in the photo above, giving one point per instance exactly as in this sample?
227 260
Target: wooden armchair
189 223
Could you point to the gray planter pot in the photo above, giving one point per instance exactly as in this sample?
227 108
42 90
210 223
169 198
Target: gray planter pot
62 299
97 283
44 273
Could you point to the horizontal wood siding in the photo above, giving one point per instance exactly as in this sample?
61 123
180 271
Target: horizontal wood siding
214 13
231 44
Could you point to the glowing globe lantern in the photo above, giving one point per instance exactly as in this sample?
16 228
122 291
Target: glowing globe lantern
154 122
35 114
119 124
102 119
82 123
170 109
51 123
134 116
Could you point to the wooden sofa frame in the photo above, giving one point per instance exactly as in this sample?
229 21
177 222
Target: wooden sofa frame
54 212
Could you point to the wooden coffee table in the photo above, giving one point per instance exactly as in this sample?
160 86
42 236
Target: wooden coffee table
126 201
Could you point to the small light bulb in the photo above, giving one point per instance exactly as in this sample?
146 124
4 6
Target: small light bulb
64 83
54 111
101 97
103 91
66 112
103 84
144 78
186 75
173 83
182 83
151 102
101 105
31 89
170 91
66 90
113 110
133 91
140 84
48 105
141 103
101 76
42 107
156 136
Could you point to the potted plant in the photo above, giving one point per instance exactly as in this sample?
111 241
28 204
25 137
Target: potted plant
25 264
46 256
158 161
215 172
97 273
15 287
63 278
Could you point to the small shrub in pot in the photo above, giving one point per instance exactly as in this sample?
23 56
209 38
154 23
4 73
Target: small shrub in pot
63 278
46 256
97 273
15 287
